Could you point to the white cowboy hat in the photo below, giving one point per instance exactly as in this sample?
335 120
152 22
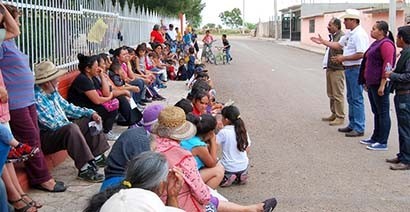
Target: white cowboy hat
351 13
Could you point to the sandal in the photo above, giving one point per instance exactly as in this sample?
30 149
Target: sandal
31 201
269 205
23 209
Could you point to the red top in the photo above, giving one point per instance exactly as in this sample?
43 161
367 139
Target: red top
158 38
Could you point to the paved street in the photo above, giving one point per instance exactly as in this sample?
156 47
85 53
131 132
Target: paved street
304 162
295 156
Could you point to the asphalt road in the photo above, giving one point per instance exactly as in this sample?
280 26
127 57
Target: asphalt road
303 162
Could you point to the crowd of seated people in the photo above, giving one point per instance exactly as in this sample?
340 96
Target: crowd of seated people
113 88
187 136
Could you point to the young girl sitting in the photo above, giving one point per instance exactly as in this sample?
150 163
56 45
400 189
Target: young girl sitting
204 149
235 143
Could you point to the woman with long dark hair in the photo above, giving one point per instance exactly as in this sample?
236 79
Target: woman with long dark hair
83 93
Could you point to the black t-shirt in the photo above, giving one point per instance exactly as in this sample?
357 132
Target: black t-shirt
226 44
76 94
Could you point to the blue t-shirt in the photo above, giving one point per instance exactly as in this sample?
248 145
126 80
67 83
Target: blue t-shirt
192 143
187 39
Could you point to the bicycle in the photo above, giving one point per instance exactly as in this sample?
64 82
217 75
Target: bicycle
221 55
209 55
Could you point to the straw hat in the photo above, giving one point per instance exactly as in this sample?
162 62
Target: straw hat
351 13
172 124
136 199
46 71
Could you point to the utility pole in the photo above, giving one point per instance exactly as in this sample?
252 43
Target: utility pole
275 19
392 16
243 18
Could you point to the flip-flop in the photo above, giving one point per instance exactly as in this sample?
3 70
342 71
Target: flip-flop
58 187
269 204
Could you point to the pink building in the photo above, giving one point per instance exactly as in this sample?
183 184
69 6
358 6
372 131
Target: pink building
300 22
317 24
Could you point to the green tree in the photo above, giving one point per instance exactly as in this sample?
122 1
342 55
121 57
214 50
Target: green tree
250 26
209 26
231 18
191 8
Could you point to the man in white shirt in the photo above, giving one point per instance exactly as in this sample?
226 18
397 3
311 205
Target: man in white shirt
354 44
171 33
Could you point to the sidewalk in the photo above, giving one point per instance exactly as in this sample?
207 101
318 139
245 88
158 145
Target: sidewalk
78 193
318 49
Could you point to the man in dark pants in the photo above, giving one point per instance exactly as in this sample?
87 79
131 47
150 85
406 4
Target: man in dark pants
400 80
57 132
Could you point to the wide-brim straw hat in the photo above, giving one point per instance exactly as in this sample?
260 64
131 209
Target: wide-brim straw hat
351 13
46 71
172 124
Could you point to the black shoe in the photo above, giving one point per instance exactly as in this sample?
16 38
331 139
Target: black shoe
345 129
158 98
354 133
58 187
91 175
146 100
101 162
142 103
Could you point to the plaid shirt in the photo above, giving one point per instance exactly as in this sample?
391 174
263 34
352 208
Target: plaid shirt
54 111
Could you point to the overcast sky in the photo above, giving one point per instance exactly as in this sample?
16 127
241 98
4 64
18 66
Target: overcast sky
257 9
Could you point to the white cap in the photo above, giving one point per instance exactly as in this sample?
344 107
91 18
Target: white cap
136 199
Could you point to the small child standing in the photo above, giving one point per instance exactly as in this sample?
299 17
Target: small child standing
234 141
191 62
227 48
182 74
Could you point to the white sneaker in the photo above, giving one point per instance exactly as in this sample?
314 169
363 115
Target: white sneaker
111 136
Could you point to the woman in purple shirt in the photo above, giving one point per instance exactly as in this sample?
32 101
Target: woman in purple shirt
19 81
379 56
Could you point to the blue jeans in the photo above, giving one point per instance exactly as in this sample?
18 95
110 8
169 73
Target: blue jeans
355 99
381 109
402 104
228 54
140 84
4 206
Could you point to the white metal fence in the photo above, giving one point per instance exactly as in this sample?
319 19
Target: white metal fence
59 29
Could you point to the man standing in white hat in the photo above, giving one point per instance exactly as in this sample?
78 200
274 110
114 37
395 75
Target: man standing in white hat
64 126
354 44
